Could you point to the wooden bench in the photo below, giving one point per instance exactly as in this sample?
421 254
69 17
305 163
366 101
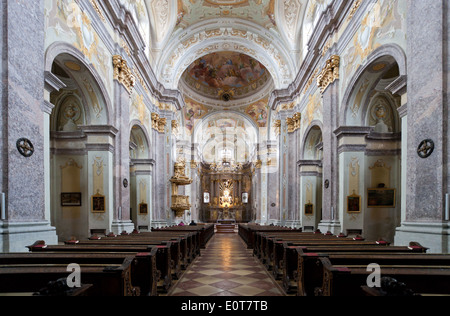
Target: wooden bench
423 274
205 232
162 277
173 242
108 276
248 232
307 273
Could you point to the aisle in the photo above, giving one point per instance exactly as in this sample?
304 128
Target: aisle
226 268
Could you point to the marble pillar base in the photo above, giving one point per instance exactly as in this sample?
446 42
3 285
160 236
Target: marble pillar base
14 237
435 236
332 226
120 226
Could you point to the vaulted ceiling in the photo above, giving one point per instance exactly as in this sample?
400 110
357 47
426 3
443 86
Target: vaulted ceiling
226 55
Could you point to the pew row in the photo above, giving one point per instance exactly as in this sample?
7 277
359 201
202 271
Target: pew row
109 275
423 274
151 271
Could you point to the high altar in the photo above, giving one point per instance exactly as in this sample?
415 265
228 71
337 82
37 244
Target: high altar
226 188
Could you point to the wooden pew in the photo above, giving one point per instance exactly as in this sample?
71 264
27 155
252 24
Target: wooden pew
248 232
424 274
161 275
108 276
172 243
272 250
205 232
286 266
308 275
190 243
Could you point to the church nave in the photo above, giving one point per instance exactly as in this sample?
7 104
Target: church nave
226 268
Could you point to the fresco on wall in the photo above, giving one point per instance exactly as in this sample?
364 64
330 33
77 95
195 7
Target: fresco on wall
384 23
193 111
66 22
259 112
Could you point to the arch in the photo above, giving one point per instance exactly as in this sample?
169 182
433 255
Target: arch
392 51
138 130
249 134
315 126
241 36
60 49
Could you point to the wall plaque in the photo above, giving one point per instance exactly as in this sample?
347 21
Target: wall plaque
426 148
25 147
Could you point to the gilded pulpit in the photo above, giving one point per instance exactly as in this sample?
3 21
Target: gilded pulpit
180 203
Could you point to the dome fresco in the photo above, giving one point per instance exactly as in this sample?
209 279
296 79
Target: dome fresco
218 73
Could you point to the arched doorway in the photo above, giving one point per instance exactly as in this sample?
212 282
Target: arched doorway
140 179
311 178
370 152
80 166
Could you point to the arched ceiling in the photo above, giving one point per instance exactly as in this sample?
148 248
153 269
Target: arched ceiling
224 77
226 135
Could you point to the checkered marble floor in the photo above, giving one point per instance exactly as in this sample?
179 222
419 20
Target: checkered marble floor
226 268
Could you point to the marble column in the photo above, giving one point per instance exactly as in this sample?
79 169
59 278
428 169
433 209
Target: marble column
428 117
283 166
24 216
293 142
330 215
270 175
122 221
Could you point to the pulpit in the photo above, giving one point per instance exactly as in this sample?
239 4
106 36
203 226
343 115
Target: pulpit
180 203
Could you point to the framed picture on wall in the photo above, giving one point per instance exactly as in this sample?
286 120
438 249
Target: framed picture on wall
70 199
309 209
206 198
245 198
354 204
381 198
98 203
143 209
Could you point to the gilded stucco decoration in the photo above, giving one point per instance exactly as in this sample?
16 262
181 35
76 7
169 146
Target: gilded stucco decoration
123 73
329 73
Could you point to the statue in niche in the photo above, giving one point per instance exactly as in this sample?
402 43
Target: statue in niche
381 117
71 113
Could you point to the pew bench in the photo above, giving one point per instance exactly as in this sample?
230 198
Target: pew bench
162 274
173 244
308 275
109 278
428 275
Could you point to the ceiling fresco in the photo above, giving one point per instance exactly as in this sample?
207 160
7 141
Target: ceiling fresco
226 72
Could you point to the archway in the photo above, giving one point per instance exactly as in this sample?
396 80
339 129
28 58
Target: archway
371 170
140 178
310 185
80 168
227 142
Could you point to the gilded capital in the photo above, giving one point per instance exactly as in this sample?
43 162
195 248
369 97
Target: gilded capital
123 74
329 73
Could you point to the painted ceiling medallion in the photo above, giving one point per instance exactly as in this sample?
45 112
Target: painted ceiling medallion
226 2
226 75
